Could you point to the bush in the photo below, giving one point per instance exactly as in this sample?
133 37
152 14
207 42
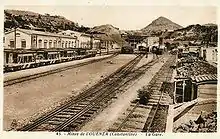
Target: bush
144 95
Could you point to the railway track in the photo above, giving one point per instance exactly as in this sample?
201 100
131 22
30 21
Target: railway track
73 115
34 76
79 110
156 121
131 120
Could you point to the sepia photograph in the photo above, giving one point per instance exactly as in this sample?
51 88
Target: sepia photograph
127 69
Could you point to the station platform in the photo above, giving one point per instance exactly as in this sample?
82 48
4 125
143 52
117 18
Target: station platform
30 72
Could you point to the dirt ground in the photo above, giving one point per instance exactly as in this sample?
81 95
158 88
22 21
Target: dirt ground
120 105
27 100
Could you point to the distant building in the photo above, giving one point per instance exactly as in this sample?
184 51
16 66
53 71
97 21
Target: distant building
194 50
210 54
96 44
151 40
83 40
134 40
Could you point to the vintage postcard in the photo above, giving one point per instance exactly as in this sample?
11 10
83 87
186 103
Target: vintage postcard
110 70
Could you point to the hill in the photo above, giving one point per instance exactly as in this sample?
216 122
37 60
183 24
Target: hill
55 23
159 25
112 32
32 20
203 33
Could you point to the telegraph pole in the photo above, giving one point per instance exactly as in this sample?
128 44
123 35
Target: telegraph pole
15 37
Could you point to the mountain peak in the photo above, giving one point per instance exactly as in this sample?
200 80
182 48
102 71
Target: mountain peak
161 24
162 17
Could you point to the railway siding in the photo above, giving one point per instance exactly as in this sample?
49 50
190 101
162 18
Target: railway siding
119 109
155 111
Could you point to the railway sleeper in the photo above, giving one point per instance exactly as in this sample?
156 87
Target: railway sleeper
83 103
70 111
45 126
91 112
78 107
144 106
128 127
61 115
83 118
51 122
87 115
79 122
95 108
132 120
58 119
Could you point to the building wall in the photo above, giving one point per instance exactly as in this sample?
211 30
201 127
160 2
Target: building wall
96 44
141 44
85 41
37 41
116 46
207 91
73 34
210 54
47 42
151 40
82 41
19 38
68 43
195 49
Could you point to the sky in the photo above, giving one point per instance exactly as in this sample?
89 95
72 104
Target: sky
126 17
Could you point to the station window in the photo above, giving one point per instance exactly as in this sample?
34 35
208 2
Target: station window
45 44
23 43
40 43
34 44
62 44
18 34
12 44
69 44
3 39
55 44
50 43
66 44
59 43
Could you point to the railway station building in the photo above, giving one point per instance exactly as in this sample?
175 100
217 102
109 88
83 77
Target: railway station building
22 45
83 40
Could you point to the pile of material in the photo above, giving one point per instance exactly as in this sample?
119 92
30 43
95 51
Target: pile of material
205 123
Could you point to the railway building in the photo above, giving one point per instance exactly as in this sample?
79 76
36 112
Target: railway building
83 40
104 42
151 40
27 46
96 40
192 73
30 48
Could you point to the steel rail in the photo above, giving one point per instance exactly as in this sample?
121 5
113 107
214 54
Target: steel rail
81 97
159 100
